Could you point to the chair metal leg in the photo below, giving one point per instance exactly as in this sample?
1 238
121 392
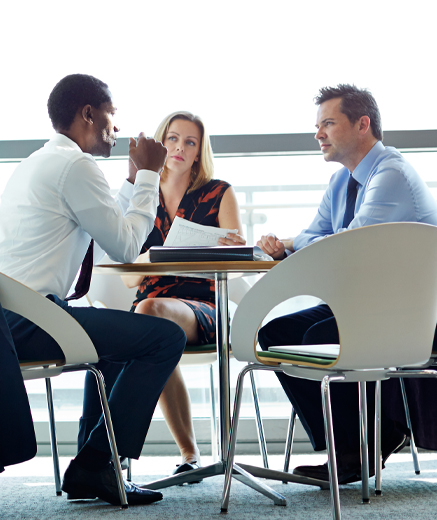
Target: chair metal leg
413 447
364 442
378 456
289 443
129 470
214 424
53 441
330 445
259 424
111 436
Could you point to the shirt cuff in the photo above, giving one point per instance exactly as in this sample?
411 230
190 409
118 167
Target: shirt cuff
149 177
146 176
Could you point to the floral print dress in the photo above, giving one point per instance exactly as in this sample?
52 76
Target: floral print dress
200 206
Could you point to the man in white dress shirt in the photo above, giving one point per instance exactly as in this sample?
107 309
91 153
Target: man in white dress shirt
56 201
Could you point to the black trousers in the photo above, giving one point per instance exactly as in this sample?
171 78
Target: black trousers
17 437
318 326
137 352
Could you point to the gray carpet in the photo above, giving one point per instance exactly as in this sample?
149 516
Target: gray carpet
405 495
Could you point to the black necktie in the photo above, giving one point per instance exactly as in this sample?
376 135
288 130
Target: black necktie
84 280
351 197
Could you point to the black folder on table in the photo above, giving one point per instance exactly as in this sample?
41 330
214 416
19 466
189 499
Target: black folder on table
205 254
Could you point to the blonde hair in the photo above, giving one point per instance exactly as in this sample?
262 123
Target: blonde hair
202 170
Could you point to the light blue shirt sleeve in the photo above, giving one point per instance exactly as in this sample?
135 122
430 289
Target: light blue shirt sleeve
389 190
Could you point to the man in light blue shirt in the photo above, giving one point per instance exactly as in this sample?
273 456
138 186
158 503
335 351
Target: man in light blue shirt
388 190
380 186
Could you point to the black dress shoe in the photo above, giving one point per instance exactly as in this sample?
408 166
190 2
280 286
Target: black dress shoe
321 472
187 466
349 465
124 464
80 483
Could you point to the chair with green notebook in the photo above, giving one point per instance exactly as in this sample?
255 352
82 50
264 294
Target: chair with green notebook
364 276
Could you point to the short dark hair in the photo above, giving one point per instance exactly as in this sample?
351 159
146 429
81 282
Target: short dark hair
355 103
72 93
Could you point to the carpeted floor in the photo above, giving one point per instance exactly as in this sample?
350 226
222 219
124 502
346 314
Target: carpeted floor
27 492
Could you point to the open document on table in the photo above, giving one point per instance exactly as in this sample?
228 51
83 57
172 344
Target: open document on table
185 233
190 242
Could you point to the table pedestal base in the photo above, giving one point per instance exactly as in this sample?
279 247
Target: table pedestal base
242 472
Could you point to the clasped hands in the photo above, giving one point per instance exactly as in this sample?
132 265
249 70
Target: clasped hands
145 154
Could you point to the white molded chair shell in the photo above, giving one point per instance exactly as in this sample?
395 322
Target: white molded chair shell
63 328
386 316
381 285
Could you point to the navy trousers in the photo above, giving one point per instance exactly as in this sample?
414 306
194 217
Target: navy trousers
318 326
137 352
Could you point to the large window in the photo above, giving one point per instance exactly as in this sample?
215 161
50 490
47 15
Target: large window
276 193
246 67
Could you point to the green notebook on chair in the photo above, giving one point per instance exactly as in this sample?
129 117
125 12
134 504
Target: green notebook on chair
319 351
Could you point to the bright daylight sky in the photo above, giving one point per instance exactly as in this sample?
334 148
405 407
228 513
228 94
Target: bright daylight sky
245 66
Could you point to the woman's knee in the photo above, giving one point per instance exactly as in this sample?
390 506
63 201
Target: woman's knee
152 307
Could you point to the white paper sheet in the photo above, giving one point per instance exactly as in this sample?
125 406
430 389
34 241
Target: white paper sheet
186 233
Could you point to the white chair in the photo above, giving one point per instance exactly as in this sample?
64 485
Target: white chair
78 350
381 284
